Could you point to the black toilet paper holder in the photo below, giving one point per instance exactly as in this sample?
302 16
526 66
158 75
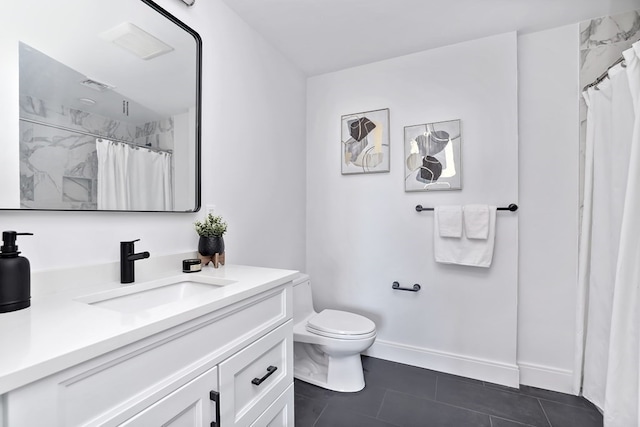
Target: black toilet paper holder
415 287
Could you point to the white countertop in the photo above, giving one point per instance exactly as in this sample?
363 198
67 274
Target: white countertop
58 332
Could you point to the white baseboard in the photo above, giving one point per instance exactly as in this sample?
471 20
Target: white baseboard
546 377
456 364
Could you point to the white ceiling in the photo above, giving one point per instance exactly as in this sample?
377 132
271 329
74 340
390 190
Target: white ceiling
320 36
165 84
38 70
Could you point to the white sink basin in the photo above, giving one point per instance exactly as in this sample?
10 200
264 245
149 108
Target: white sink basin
147 295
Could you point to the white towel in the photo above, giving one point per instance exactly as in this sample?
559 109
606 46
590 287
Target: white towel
476 221
471 252
449 220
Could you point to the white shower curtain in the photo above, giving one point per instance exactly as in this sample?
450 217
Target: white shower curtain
607 363
131 178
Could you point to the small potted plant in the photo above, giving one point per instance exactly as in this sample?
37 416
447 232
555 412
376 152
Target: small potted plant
211 243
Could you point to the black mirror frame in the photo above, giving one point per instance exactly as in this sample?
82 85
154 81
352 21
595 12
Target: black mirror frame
198 143
198 39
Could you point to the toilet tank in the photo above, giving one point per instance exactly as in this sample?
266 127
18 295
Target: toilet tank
302 298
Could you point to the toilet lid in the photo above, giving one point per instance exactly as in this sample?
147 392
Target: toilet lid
337 322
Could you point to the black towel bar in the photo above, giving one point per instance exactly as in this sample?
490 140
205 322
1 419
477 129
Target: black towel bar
512 207
415 288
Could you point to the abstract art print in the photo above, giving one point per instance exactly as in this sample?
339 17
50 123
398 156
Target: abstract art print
365 142
432 156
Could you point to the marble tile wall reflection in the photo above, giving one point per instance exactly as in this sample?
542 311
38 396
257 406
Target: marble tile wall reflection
158 134
59 168
47 157
76 189
48 112
602 41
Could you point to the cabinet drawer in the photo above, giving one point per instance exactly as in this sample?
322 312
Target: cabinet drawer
249 384
280 413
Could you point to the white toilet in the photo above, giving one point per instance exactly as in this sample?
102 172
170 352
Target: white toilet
327 345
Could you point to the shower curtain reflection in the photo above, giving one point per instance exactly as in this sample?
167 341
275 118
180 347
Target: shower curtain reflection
133 178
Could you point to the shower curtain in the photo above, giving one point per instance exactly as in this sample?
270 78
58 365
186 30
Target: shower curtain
131 178
607 362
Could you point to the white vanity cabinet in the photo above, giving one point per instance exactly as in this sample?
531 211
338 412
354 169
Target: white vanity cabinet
235 363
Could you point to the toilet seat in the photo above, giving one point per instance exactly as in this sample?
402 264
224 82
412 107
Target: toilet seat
341 325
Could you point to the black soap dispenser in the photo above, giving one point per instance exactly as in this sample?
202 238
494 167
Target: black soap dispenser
15 275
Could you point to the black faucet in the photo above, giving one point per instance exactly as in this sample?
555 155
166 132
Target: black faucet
127 257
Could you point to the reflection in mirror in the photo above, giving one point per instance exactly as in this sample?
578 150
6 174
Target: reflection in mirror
109 111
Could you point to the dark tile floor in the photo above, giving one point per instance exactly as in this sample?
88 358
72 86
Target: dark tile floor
402 395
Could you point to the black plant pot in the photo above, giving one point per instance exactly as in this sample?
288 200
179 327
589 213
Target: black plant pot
209 246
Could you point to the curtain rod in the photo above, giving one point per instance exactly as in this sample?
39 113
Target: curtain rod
604 75
95 135
512 207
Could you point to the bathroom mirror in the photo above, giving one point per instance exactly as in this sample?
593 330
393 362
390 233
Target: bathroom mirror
108 108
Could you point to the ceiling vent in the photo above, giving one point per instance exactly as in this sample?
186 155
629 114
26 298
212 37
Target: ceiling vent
96 85
135 40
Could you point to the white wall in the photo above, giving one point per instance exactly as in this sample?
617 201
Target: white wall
363 231
548 165
183 130
253 153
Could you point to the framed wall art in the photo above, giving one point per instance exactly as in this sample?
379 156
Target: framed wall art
432 156
365 142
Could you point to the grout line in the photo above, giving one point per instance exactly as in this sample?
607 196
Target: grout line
577 405
382 403
496 389
547 399
510 420
320 414
450 405
465 380
544 412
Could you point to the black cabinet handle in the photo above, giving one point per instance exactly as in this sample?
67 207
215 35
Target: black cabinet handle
270 371
215 397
